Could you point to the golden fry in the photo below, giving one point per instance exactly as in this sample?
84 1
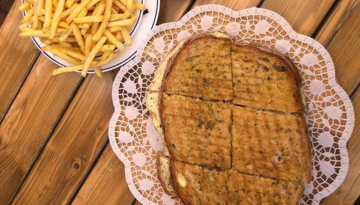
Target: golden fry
69 3
39 6
65 44
67 69
48 13
69 10
106 48
129 4
105 22
24 6
28 15
56 18
98 72
92 55
125 22
139 6
126 36
88 19
73 53
77 11
113 40
114 29
62 55
105 55
91 3
63 24
37 33
120 5
88 41
66 34
108 59
78 37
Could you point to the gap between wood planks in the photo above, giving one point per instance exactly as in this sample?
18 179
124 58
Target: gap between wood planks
47 138
95 161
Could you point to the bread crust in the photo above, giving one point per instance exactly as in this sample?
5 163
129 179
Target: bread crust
160 177
166 82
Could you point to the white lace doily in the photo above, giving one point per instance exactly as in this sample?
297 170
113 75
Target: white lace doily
330 113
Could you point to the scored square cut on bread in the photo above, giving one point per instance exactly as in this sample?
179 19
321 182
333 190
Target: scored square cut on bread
264 80
202 68
199 185
248 190
270 144
197 131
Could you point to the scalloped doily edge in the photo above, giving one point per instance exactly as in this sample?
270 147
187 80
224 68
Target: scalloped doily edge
293 34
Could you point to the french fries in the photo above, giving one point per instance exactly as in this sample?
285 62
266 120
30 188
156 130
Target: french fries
78 31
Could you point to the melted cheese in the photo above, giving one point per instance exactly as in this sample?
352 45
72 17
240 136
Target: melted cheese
181 179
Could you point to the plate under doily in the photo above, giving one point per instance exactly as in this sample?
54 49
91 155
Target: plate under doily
330 113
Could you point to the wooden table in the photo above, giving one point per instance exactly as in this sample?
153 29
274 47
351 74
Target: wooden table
53 129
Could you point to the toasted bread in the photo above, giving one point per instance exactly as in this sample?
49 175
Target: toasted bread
163 169
234 114
199 185
246 189
202 68
264 80
270 144
197 131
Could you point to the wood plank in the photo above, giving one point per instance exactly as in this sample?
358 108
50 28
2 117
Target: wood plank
349 191
74 147
344 50
5 5
172 10
32 117
107 177
12 47
235 5
137 203
334 20
304 16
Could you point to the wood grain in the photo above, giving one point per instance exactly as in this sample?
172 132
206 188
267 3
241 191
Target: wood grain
74 146
109 168
304 16
344 50
107 177
137 203
172 10
32 117
348 192
334 20
235 5
12 48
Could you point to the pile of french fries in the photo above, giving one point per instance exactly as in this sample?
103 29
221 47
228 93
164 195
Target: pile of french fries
79 30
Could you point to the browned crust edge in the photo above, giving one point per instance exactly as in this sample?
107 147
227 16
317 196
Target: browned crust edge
298 195
307 175
171 61
282 57
173 172
297 77
158 168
